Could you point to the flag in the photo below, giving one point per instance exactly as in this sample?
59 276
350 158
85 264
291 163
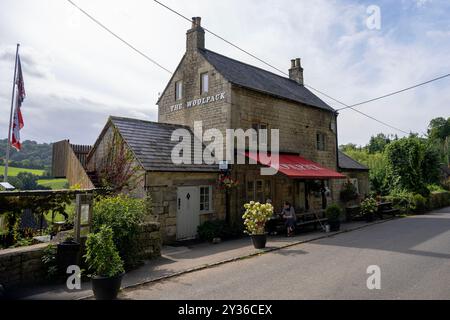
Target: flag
18 119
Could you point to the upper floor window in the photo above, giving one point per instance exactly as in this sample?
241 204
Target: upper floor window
204 83
320 137
178 90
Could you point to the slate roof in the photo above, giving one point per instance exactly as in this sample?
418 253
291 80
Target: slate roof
254 78
151 144
347 163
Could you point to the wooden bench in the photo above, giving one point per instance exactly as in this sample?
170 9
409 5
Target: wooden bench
386 208
311 218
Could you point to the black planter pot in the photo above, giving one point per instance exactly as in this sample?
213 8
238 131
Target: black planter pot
335 225
369 217
106 288
67 254
259 241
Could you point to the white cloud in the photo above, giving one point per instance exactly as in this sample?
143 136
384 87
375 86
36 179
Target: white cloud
77 74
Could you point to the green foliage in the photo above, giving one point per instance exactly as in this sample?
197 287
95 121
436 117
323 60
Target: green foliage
49 261
26 181
33 155
376 162
419 203
348 192
101 255
410 165
368 206
218 229
256 216
123 215
379 142
333 212
402 200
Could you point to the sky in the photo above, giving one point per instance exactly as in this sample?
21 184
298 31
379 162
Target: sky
76 74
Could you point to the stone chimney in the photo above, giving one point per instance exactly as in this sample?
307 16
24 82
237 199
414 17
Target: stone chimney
296 71
195 37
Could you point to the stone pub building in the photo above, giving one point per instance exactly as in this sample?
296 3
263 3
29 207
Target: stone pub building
224 94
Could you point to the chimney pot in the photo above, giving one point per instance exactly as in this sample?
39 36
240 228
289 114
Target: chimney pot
195 36
296 71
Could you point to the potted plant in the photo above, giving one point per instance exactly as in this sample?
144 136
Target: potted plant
255 218
368 209
103 260
333 214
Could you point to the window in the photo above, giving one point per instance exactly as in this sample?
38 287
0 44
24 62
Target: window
320 141
204 83
259 190
178 90
205 199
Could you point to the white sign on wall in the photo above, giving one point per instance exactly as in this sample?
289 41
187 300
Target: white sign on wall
197 102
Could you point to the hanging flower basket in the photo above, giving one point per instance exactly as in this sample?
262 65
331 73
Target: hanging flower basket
226 182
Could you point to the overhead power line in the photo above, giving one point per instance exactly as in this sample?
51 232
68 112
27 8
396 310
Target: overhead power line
397 92
277 69
118 37
128 44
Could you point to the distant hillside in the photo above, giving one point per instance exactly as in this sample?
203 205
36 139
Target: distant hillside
33 155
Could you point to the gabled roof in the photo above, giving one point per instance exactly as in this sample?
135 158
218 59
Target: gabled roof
347 163
251 77
152 146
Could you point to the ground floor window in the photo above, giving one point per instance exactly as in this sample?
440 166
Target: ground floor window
205 198
259 190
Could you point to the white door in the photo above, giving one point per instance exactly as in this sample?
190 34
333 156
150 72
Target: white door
188 212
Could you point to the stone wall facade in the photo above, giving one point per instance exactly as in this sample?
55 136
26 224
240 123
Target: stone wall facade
22 265
162 189
149 240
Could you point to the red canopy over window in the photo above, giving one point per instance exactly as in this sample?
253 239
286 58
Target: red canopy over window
298 167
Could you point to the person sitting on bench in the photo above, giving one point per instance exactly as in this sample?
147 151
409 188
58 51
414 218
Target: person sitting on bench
290 217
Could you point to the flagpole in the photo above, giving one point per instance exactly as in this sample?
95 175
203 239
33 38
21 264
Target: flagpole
8 143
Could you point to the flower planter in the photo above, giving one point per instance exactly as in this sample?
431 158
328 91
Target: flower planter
369 217
106 288
335 225
259 240
67 255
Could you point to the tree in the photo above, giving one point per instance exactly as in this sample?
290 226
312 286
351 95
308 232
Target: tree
118 170
378 143
411 165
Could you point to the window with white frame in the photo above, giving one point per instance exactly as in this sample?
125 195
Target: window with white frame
178 90
205 199
204 83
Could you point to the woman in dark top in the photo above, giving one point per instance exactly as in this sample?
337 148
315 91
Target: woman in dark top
288 214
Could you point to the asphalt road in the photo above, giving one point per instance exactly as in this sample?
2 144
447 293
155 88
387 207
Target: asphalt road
413 255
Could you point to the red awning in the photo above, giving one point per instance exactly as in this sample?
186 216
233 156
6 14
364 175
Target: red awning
298 167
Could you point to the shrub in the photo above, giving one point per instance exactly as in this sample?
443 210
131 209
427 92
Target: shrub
123 215
402 200
419 203
101 255
368 206
256 216
348 192
333 212
218 229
